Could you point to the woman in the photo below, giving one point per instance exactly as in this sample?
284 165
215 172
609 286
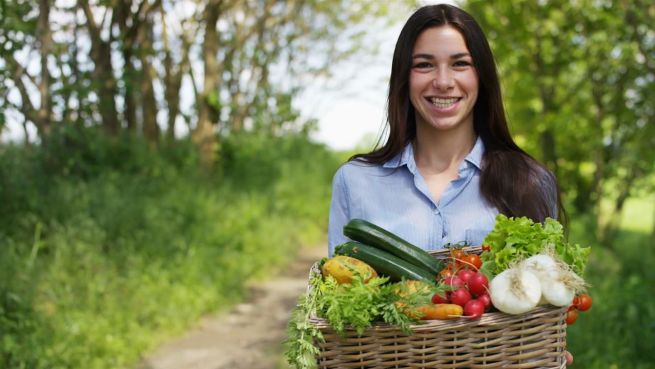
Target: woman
449 164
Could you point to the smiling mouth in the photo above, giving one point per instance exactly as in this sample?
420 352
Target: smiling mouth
441 102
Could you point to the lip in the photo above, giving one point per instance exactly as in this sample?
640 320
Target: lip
434 108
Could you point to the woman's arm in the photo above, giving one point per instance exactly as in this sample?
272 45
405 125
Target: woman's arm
339 211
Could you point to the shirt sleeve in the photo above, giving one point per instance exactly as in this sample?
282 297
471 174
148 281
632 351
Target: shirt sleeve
339 212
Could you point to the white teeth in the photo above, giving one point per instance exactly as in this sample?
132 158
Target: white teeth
444 103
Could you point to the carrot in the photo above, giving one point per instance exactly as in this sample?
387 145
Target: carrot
440 311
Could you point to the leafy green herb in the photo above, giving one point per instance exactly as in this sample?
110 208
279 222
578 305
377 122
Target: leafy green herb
514 239
301 333
356 305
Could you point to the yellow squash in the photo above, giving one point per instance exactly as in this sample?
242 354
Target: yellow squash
343 269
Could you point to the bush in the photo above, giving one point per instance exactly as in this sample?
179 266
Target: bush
111 245
618 331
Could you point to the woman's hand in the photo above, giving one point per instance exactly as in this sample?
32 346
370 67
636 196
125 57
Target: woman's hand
569 358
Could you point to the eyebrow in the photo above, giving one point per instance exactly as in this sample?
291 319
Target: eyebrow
430 56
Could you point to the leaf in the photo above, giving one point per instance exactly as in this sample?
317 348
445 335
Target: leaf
514 239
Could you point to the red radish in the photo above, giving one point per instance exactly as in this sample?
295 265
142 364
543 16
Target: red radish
478 284
486 300
454 282
438 299
460 297
474 309
465 275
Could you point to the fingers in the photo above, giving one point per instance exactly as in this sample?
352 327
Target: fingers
569 358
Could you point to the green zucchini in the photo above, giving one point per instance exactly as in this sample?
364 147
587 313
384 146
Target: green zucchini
383 262
373 235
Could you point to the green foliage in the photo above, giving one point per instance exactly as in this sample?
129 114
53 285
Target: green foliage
356 305
301 333
514 239
109 245
618 331
578 80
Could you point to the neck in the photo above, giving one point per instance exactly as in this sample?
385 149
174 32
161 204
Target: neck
437 151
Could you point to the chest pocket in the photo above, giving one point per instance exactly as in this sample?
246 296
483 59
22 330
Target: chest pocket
474 237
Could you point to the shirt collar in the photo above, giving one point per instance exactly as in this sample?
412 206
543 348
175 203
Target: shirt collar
406 157
475 156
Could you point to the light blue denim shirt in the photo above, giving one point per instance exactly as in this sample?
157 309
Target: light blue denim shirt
395 196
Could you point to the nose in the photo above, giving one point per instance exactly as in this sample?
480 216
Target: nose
443 80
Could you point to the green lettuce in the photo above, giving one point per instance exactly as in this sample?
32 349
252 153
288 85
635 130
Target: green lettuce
514 239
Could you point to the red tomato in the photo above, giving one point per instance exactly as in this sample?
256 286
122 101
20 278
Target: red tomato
457 256
478 284
457 253
460 297
582 302
571 316
474 309
445 273
472 261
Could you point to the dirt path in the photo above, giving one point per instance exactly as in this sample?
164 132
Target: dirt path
247 337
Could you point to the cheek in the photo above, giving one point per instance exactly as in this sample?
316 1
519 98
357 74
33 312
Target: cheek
417 84
472 84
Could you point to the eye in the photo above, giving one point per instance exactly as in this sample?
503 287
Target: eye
422 65
462 64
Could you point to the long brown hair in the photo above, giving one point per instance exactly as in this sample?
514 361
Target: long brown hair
511 180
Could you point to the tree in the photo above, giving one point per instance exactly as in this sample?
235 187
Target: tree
118 63
36 108
578 90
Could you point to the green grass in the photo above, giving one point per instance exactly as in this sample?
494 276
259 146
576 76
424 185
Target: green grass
619 330
101 258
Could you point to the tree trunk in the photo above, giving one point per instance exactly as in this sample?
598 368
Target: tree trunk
173 77
44 114
102 72
547 96
204 135
148 74
547 141
129 79
130 74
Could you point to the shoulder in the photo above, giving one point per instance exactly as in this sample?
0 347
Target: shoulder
354 169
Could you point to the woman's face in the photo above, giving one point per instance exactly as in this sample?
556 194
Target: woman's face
443 83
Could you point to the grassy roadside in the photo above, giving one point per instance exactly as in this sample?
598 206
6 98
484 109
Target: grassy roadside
103 258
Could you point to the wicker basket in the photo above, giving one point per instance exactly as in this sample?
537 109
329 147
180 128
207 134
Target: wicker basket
533 340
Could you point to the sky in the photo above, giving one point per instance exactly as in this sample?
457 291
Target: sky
353 114
351 111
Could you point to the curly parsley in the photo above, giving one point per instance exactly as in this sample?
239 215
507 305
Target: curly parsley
355 305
